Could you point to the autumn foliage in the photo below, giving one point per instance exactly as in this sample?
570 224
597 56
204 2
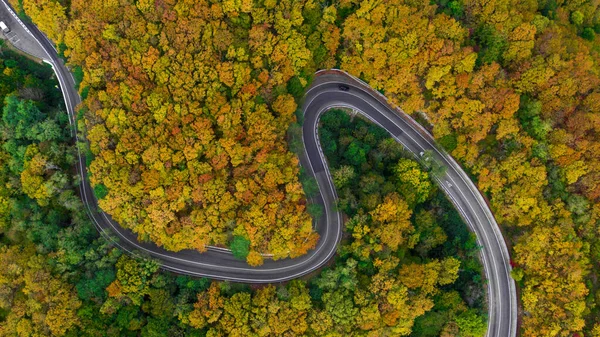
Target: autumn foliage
512 92
61 278
188 103
186 114
36 301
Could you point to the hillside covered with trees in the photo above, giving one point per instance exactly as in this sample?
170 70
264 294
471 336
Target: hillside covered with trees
187 107
60 278
188 103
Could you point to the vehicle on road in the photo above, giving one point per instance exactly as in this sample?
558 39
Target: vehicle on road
344 87
4 27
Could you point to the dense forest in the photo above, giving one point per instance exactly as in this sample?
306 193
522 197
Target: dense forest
187 107
60 278
511 89
187 104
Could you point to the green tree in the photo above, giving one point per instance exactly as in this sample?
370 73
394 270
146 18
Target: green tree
411 181
100 191
343 175
94 287
471 324
492 43
356 153
339 305
21 116
588 34
240 247
577 18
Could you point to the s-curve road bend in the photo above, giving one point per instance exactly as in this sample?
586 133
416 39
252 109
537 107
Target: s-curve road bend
216 263
335 88
323 94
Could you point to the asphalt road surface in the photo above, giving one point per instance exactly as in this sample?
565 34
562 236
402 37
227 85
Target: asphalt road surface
323 94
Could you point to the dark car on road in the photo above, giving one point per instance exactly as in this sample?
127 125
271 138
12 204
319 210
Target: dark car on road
344 87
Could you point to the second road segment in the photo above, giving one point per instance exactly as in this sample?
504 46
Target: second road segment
323 94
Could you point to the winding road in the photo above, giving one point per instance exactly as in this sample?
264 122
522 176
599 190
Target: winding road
323 94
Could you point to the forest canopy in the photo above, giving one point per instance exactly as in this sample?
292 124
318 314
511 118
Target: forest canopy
187 106
60 278
188 103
